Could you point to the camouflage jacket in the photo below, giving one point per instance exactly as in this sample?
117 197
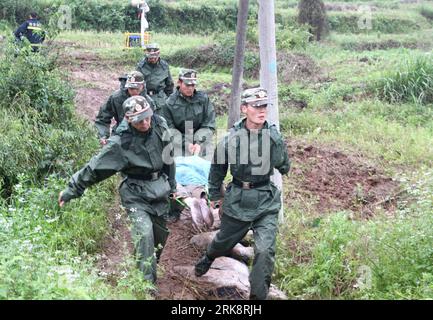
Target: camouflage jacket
251 157
131 152
157 76
197 110
112 108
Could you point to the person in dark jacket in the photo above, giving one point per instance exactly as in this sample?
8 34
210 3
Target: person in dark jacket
31 29
156 72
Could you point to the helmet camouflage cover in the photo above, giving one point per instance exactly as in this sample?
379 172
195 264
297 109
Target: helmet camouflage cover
255 97
134 80
152 50
136 109
188 76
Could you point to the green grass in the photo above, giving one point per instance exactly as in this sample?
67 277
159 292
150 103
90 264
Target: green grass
427 11
115 41
377 130
336 257
48 253
110 46
413 82
373 41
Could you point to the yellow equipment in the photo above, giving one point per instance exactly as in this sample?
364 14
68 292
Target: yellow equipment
133 40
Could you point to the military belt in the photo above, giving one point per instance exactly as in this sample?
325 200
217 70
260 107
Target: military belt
150 176
250 185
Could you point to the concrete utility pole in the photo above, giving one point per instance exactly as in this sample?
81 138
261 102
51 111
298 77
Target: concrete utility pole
144 24
144 8
238 63
268 71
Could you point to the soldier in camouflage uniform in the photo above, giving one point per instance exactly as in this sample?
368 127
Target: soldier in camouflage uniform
157 75
191 113
251 200
140 150
112 108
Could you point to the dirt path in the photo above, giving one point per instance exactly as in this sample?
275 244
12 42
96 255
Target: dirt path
330 178
93 82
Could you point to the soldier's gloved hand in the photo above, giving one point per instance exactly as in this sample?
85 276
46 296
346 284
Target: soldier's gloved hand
194 148
103 141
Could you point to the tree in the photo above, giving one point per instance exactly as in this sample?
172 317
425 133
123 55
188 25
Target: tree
313 13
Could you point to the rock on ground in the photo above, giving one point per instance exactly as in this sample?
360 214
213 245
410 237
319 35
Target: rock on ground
227 279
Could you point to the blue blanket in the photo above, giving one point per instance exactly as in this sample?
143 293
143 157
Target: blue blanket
192 171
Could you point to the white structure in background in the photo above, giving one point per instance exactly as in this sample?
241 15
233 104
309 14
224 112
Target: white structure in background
142 5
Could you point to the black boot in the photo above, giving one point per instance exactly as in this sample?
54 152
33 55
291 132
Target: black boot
203 265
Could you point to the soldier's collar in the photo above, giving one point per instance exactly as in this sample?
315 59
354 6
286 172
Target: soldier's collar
185 97
243 125
153 64
135 132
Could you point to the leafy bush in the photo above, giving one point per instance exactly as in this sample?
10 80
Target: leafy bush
219 55
15 12
414 83
347 23
427 12
40 133
121 16
293 38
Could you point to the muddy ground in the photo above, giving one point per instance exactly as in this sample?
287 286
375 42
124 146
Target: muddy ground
329 178
334 180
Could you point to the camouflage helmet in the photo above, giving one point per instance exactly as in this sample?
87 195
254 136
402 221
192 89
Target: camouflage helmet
134 80
188 76
137 108
255 97
152 50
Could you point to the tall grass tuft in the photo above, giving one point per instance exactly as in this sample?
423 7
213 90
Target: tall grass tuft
414 83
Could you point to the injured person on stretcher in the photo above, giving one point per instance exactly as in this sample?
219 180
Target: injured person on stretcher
192 202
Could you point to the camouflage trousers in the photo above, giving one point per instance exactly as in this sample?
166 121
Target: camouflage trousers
148 231
265 230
